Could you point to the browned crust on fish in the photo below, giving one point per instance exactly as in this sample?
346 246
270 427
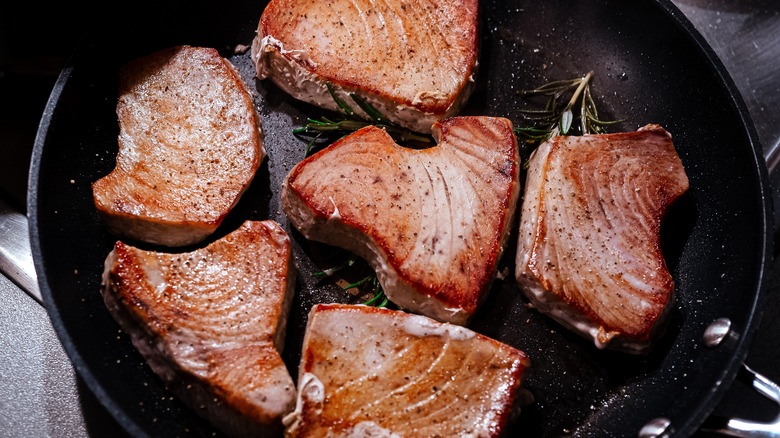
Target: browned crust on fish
190 143
211 323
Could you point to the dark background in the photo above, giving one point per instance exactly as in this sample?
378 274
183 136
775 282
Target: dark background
36 40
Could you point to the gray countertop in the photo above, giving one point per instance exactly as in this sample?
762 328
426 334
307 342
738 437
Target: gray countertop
40 393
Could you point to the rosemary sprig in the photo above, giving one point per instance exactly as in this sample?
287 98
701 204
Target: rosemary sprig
369 283
557 119
326 129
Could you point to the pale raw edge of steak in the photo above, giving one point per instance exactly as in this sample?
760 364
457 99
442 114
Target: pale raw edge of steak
549 303
362 373
294 71
184 370
179 204
334 231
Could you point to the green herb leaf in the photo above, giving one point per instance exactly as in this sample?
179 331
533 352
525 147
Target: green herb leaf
378 300
566 120
340 103
372 112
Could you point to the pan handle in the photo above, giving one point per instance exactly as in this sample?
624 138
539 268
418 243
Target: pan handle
16 259
749 429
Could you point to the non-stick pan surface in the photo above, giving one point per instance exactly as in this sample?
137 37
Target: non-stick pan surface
650 66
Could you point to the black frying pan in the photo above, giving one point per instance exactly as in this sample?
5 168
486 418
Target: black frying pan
649 65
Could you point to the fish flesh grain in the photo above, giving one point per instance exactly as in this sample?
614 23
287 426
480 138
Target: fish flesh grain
375 372
190 142
414 62
589 249
433 223
211 323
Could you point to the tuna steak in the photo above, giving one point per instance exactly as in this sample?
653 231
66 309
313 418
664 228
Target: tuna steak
190 142
373 372
211 323
589 251
413 61
433 223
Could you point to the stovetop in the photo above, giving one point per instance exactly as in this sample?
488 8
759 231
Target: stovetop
42 394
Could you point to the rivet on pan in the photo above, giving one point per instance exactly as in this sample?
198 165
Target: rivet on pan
657 428
716 332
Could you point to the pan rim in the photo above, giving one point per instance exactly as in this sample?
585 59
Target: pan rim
729 374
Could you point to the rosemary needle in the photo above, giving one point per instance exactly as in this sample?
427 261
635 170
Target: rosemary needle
378 300
328 272
372 282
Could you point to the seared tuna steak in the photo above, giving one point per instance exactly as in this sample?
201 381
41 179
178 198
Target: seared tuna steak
413 61
190 142
589 251
211 323
433 223
368 371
